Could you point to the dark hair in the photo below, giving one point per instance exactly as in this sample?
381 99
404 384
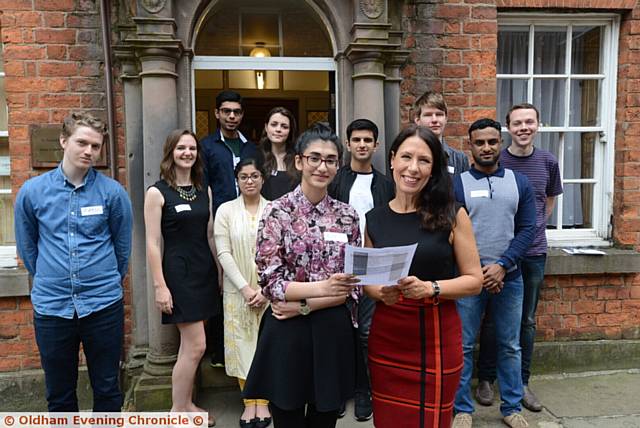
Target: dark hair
167 170
318 131
270 162
74 120
362 125
231 96
246 162
484 123
436 205
522 107
429 99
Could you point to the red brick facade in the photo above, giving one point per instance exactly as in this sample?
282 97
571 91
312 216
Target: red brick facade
54 65
53 62
453 50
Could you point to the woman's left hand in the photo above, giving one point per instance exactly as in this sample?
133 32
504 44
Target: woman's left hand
258 301
285 310
414 288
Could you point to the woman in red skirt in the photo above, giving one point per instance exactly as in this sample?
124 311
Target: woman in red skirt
415 344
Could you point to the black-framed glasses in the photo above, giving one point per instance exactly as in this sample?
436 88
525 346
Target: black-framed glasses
227 111
316 161
254 177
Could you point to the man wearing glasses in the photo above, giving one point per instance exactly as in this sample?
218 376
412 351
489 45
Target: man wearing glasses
225 148
362 187
221 153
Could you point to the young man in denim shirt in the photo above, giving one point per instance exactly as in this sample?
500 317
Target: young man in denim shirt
73 233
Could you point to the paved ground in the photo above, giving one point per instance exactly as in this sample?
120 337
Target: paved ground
585 400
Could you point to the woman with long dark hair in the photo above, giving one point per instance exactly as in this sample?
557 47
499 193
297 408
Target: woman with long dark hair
277 153
415 347
180 250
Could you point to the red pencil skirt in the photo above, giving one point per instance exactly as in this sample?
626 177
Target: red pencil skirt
415 360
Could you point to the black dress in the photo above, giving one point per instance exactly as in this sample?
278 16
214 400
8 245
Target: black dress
278 183
187 264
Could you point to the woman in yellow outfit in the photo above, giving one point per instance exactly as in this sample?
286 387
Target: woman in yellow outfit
235 232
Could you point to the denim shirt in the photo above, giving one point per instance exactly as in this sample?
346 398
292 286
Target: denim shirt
74 241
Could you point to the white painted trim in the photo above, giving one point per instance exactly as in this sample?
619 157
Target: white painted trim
4 133
269 63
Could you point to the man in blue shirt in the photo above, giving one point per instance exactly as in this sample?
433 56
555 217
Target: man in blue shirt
225 148
73 233
501 207
221 153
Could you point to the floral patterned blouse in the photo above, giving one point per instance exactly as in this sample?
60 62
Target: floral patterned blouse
299 241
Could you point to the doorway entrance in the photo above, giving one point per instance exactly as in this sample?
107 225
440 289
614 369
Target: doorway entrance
280 55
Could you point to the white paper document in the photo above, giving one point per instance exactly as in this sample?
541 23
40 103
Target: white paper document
379 266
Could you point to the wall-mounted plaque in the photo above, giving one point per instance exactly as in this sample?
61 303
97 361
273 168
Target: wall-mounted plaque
45 145
46 151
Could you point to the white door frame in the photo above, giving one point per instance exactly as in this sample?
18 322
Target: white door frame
201 62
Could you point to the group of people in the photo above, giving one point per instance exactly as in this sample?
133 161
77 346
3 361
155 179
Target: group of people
250 239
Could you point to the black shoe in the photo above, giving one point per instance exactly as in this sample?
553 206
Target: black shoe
363 410
484 393
216 362
342 410
262 423
530 401
248 424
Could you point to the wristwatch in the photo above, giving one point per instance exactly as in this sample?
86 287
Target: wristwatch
436 289
304 308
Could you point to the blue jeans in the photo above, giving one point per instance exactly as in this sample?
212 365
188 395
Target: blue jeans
59 339
366 308
532 268
506 307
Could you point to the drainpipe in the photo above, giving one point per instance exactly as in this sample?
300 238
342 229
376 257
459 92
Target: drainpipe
105 11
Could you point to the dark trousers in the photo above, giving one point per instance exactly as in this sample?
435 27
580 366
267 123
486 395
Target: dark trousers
533 279
101 335
303 418
366 308
216 337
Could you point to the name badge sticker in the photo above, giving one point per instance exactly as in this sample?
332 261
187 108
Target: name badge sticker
335 236
183 207
484 193
92 210
451 170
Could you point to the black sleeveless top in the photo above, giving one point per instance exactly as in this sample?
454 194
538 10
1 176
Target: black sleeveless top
433 260
187 263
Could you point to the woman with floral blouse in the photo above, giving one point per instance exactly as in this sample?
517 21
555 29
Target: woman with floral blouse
304 362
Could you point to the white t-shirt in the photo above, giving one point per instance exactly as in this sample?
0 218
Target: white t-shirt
361 198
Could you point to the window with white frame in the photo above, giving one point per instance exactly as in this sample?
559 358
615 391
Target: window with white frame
566 66
7 238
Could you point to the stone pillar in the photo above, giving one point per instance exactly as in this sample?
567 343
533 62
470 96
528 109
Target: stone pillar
159 117
368 95
134 148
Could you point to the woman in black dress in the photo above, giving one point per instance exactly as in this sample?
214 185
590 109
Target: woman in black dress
177 212
415 347
277 154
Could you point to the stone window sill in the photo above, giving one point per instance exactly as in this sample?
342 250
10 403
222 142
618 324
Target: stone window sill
14 282
614 261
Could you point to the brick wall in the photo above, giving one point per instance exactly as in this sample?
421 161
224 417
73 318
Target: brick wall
54 65
453 47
